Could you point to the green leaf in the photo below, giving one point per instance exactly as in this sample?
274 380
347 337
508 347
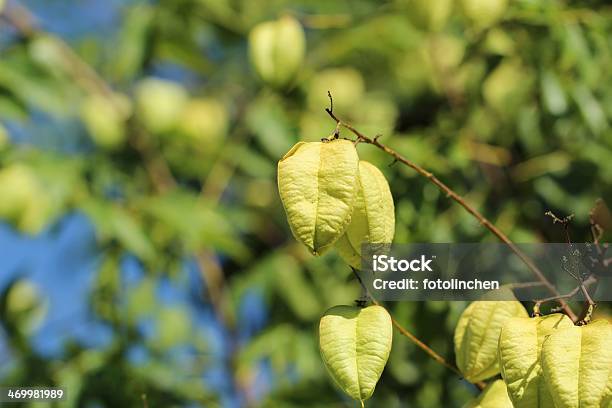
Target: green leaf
115 222
477 337
577 365
355 344
520 344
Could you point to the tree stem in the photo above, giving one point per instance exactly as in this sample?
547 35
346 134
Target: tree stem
450 193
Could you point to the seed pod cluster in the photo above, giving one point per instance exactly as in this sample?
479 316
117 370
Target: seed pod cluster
330 197
547 362
520 344
355 344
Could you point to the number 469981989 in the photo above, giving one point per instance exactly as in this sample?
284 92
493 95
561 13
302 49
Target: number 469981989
15 394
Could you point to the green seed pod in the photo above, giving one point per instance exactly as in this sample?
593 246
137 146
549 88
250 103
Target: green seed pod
159 104
105 120
429 15
495 395
577 365
477 337
345 84
204 121
520 344
373 218
506 87
25 202
18 186
317 183
484 13
277 50
355 344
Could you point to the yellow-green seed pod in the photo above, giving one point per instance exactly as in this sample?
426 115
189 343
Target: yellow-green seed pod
318 183
577 366
355 344
159 104
373 218
18 186
495 395
105 119
204 121
484 13
25 202
520 345
277 50
429 15
477 337
506 87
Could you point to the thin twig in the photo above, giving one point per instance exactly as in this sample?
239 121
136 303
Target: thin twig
457 198
583 285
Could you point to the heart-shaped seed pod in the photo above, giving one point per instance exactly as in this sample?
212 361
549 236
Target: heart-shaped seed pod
317 183
495 395
355 344
373 218
477 337
520 344
277 50
577 365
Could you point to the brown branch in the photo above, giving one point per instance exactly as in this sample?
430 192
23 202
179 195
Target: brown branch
361 138
581 287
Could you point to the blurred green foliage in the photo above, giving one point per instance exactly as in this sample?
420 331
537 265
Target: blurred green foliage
509 102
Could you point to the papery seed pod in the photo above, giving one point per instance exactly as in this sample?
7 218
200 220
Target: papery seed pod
495 395
355 344
506 87
277 50
25 202
105 119
477 337
520 345
484 13
159 104
577 365
18 186
429 15
317 183
373 218
204 121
